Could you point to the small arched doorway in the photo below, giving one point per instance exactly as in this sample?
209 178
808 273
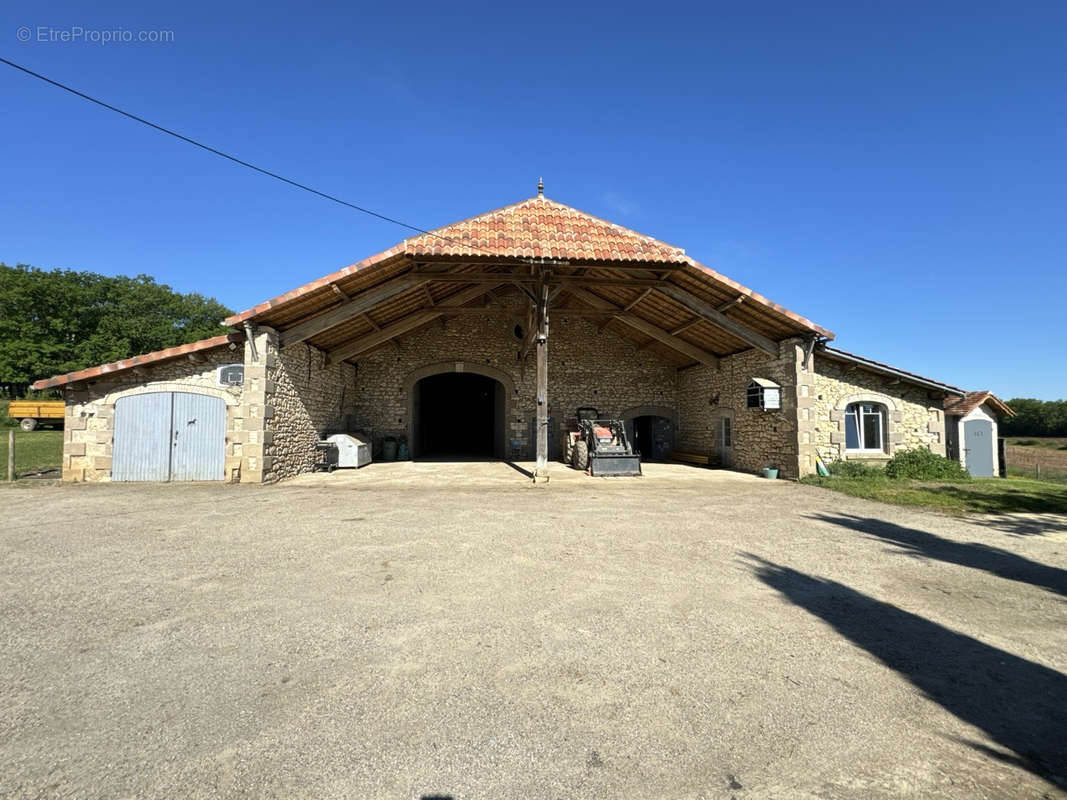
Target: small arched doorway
651 431
653 437
458 415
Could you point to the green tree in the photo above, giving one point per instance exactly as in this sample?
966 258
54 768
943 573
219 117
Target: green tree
1036 418
58 321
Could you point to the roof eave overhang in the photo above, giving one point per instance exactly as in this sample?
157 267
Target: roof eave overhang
885 369
399 254
146 359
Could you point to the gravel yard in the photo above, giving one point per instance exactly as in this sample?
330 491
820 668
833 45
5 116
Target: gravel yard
449 630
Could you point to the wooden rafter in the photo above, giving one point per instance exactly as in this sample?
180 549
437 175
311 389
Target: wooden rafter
647 328
405 325
638 299
685 326
731 303
346 310
719 318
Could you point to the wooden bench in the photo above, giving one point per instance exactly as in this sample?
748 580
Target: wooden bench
690 458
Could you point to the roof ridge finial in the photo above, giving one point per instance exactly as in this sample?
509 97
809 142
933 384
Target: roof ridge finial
540 187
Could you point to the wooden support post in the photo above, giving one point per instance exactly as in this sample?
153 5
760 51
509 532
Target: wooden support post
541 469
11 455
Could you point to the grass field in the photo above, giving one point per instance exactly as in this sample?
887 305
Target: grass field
983 495
35 451
1026 455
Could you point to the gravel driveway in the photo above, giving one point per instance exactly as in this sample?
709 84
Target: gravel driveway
425 630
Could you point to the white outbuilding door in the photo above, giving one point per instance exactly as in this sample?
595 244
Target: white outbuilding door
169 436
978 445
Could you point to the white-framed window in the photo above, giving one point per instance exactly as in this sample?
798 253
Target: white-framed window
727 432
865 428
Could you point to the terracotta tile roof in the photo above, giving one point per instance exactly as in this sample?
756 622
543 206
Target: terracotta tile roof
537 228
962 406
140 361
544 229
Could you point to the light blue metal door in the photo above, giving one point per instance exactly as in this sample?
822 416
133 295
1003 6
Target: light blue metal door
978 445
198 438
164 436
141 449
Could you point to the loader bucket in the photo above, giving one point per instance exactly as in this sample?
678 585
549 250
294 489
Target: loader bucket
618 465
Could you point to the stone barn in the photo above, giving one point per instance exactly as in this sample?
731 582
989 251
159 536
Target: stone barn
481 340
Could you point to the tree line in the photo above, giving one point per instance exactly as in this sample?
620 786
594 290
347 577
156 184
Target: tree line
56 321
1036 418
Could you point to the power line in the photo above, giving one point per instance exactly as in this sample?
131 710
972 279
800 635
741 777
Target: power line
234 159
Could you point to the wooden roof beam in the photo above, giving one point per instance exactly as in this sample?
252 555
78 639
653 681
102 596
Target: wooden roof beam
638 299
647 328
686 325
346 310
405 325
555 280
719 318
731 303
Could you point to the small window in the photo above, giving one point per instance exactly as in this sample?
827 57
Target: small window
231 375
763 393
865 428
727 433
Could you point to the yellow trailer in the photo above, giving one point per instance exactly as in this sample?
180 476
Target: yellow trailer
31 413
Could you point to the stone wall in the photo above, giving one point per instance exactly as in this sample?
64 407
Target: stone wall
585 368
88 434
915 418
310 399
761 438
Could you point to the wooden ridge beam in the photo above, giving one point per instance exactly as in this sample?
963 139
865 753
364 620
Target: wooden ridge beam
532 264
346 310
647 328
488 311
405 325
517 278
719 318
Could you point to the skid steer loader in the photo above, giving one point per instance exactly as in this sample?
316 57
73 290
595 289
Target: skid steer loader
601 447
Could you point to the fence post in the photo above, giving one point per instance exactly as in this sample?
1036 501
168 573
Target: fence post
11 455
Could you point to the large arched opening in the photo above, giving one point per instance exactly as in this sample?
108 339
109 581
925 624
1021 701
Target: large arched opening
458 412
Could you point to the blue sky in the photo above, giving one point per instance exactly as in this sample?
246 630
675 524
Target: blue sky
895 172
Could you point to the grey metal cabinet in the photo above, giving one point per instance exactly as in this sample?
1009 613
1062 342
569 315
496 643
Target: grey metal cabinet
169 436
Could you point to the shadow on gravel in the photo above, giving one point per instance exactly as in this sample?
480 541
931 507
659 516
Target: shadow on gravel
1033 525
1002 563
1019 704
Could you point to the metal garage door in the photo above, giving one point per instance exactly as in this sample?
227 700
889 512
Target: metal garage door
169 436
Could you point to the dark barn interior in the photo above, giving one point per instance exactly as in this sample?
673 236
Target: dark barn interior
458 415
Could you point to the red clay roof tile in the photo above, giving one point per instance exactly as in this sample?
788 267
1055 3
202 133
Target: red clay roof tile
139 361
